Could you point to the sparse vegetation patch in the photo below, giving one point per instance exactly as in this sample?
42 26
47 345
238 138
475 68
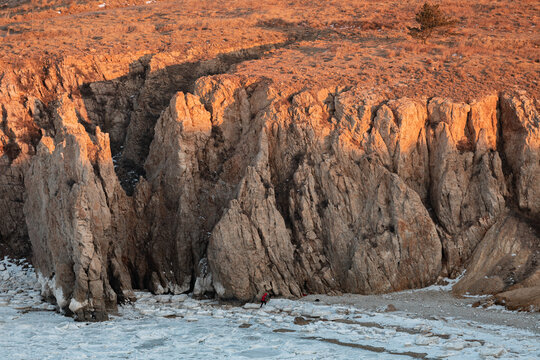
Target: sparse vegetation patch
431 19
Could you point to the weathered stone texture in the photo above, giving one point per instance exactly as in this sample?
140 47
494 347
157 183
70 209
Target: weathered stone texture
242 188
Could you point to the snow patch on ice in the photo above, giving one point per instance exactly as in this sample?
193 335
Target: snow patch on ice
220 290
75 305
59 295
449 283
469 296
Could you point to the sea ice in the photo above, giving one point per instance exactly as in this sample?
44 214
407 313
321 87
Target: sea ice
180 326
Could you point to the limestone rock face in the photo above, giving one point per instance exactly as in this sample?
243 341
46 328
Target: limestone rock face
73 210
172 210
468 188
506 262
398 139
278 200
28 96
253 225
243 187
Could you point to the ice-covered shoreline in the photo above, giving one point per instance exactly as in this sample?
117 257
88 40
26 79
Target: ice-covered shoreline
349 326
436 303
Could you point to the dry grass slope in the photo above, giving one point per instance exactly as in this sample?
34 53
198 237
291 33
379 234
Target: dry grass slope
494 46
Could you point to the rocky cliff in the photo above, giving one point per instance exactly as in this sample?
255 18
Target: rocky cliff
236 186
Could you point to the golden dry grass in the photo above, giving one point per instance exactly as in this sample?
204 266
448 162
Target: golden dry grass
495 46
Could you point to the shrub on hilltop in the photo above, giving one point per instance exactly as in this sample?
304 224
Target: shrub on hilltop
430 18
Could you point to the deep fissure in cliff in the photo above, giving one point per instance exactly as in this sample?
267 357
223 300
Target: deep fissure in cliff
145 95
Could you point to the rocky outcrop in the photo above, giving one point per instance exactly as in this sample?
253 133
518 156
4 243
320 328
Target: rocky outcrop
249 188
521 142
124 95
468 188
505 263
235 182
27 98
331 194
75 211
172 210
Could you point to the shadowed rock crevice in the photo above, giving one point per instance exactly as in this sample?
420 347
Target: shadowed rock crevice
128 107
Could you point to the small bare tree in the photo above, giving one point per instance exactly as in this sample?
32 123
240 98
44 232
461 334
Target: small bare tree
430 18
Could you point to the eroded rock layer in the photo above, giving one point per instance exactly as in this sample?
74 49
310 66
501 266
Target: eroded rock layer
248 189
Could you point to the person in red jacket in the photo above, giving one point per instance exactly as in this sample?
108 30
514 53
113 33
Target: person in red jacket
264 299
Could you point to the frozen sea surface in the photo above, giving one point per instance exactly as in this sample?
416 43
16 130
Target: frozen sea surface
179 327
